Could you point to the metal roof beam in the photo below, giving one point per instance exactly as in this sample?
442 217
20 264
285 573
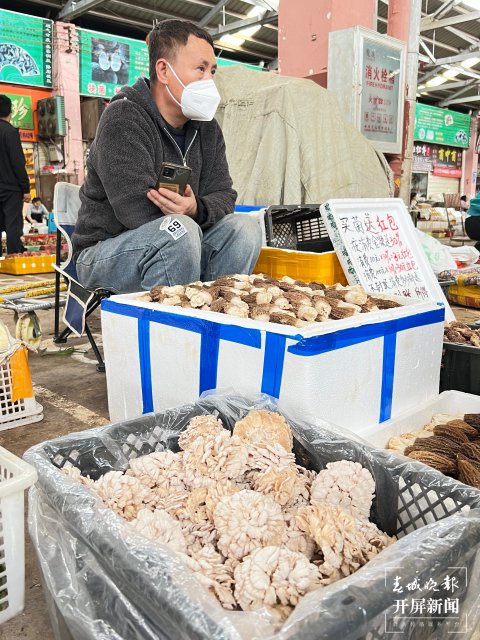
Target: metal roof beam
461 92
427 23
449 101
444 8
465 55
238 25
213 12
74 9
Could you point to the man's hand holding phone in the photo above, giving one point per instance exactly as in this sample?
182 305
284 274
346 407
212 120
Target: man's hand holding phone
170 202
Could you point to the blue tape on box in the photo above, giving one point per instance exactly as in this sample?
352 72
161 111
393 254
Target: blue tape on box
213 332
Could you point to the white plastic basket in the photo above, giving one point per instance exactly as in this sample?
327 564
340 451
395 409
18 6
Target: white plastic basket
14 414
15 476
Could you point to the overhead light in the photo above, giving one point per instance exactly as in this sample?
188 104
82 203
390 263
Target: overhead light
229 38
237 39
470 62
473 4
436 81
450 73
421 86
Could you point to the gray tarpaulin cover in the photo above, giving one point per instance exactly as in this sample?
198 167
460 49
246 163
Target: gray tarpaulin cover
107 582
287 142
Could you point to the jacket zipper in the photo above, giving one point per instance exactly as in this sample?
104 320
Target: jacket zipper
184 157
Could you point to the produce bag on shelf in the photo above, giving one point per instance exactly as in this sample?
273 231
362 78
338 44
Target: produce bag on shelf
104 580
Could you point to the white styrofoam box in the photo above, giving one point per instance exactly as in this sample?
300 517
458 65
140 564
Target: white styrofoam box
354 372
452 402
15 476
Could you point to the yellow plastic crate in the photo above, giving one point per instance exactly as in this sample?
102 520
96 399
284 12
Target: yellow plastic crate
301 265
28 264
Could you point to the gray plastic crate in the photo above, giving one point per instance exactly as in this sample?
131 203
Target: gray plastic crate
103 578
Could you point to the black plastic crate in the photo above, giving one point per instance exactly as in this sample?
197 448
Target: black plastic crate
460 368
297 227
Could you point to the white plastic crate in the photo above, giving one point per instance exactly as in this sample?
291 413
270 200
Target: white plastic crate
452 402
14 414
353 372
15 476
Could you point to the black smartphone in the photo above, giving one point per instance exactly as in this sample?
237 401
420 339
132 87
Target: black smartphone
174 177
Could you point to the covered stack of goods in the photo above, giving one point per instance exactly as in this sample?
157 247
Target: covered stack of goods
448 443
259 297
257 529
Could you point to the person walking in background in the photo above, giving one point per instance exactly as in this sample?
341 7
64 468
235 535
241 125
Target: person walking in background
14 183
36 212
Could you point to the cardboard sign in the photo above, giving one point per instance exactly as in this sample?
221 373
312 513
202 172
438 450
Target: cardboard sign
377 245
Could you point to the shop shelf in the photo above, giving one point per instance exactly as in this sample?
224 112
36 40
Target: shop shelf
15 476
27 265
460 368
302 265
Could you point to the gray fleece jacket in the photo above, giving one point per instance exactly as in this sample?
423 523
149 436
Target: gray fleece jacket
124 163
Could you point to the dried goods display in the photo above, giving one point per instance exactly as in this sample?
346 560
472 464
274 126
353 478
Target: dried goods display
259 297
461 333
258 530
448 443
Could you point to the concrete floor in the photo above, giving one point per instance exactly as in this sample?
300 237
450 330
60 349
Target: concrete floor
74 398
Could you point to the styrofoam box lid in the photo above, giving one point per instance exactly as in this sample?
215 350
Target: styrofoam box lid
453 402
335 210
409 307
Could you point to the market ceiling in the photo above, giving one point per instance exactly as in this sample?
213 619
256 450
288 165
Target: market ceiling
247 30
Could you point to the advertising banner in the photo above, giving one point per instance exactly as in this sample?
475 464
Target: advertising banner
25 49
22 111
108 62
442 126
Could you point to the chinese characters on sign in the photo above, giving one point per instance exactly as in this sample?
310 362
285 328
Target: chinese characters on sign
442 160
25 49
22 112
427 601
442 126
380 91
382 254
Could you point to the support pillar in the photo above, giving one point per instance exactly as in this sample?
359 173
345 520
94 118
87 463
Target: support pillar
66 83
404 24
303 29
470 161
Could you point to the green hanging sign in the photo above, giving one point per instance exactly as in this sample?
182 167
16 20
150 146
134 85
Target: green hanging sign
442 126
108 62
25 49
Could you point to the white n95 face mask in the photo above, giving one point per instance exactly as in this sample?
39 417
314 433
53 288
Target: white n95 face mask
200 99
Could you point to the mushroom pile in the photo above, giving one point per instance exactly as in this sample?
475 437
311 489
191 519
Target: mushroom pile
461 333
448 443
259 297
258 530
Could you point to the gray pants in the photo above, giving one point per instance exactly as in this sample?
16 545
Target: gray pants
171 250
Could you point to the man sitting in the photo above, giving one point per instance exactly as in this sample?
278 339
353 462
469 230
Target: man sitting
124 239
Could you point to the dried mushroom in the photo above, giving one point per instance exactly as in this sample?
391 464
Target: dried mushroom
160 470
215 457
346 485
247 520
123 494
344 544
160 527
273 576
264 428
206 425
75 474
461 333
287 301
